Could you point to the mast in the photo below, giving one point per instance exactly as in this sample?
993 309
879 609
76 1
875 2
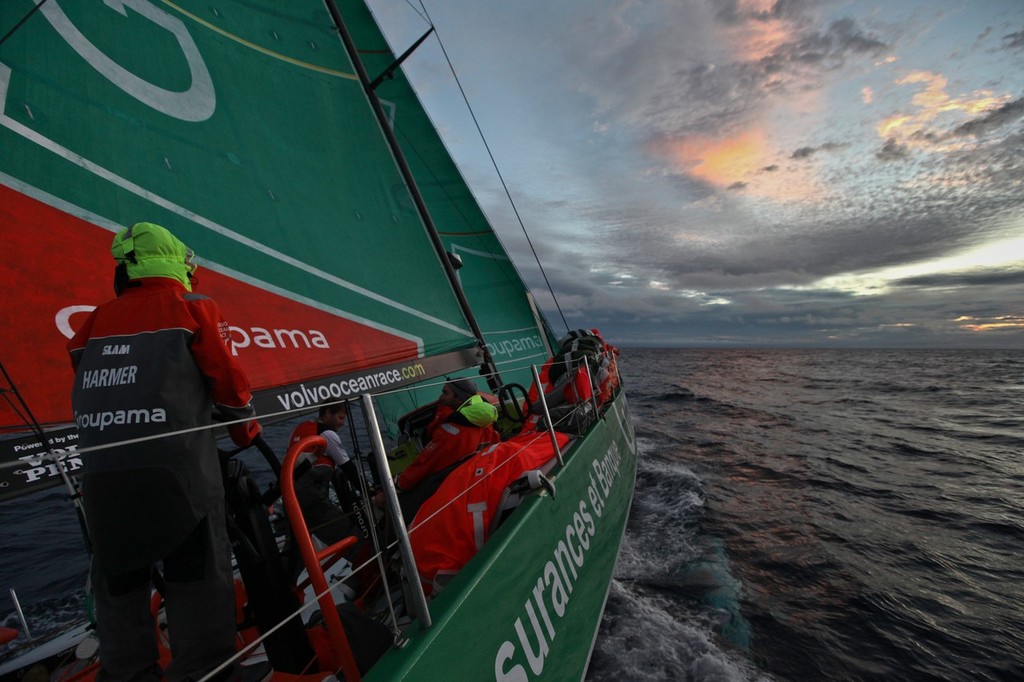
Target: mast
421 207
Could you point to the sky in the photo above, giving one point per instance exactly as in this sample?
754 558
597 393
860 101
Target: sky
745 172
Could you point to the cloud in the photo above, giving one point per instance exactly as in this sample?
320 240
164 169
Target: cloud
982 278
808 152
892 151
1003 323
693 68
992 120
719 161
1014 41
745 69
933 109
766 167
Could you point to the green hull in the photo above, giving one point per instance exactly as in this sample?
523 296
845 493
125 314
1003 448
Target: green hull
528 606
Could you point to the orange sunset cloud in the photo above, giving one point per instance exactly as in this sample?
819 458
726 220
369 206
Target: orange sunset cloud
932 103
721 162
754 40
1004 323
742 160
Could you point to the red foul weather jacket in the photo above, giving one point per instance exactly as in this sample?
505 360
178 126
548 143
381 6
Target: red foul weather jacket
450 441
151 361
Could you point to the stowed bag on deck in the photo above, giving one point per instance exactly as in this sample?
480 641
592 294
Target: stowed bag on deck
567 391
586 345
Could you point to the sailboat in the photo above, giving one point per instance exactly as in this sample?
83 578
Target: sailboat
284 144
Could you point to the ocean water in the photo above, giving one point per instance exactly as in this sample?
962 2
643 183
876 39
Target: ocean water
799 515
822 515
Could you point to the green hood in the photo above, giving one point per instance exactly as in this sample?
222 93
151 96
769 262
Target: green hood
478 411
148 250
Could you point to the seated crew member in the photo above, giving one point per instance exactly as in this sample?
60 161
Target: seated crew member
462 424
313 476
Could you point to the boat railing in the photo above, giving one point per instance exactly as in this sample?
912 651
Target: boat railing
339 656
419 599
547 414
547 423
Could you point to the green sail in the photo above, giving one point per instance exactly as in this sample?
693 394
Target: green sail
242 128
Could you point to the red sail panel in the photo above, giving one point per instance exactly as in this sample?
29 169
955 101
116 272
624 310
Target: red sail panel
59 267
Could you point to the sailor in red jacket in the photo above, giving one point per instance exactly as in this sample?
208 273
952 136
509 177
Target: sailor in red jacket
462 424
155 361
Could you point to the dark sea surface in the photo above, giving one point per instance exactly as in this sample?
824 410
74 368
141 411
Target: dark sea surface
822 515
799 515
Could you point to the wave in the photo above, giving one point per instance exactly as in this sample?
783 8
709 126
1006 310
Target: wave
645 637
680 395
866 505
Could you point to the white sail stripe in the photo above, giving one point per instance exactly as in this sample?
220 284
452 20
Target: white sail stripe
542 356
113 178
274 289
62 205
79 212
510 331
483 254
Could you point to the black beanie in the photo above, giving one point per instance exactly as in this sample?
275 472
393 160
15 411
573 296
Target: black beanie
462 388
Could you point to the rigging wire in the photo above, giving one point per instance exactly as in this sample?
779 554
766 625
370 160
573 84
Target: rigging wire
30 420
21 408
7 393
22 21
494 163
